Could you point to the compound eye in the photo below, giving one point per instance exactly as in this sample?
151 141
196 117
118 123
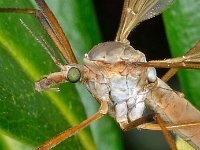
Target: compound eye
74 75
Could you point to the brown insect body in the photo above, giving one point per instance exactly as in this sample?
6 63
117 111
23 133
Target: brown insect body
119 77
167 103
110 76
113 60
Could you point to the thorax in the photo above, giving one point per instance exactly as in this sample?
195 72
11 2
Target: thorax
111 74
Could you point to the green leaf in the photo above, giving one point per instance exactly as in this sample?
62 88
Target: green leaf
9 144
31 117
182 22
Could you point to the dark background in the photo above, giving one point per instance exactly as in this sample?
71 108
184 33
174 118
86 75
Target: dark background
150 38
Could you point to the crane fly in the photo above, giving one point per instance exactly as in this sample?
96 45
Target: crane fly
120 78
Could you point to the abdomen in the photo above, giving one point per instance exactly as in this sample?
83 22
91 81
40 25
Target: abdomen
174 108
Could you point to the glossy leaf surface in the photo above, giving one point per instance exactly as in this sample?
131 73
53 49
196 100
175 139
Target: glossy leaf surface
182 22
32 117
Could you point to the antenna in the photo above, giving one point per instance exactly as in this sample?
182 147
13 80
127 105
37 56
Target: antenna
39 38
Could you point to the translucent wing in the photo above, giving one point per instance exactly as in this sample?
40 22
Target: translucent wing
136 11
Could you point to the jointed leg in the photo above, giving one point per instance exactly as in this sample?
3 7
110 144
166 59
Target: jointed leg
173 71
46 26
147 119
43 43
165 132
66 134
67 52
170 73
140 121
151 126
54 36
51 25
145 122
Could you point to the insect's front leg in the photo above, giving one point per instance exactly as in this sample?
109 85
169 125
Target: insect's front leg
52 27
137 122
68 133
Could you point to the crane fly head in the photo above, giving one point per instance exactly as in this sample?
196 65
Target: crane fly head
69 73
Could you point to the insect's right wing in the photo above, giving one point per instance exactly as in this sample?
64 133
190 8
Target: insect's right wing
136 11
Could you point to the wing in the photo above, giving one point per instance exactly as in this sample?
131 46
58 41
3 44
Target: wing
191 60
136 11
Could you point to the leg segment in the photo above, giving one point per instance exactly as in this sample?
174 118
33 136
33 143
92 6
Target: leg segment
51 25
165 132
66 134
38 14
169 74
151 126
43 43
147 119
68 53
173 71
137 122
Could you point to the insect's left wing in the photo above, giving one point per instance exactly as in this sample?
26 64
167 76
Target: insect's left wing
136 11
191 60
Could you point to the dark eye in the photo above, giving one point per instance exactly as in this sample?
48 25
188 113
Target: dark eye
73 75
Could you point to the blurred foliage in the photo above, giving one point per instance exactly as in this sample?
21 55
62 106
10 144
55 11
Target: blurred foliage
182 22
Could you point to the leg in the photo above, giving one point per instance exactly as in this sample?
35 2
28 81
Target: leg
51 25
55 37
165 132
151 126
147 119
66 134
137 122
46 26
67 52
170 73
173 71
43 43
